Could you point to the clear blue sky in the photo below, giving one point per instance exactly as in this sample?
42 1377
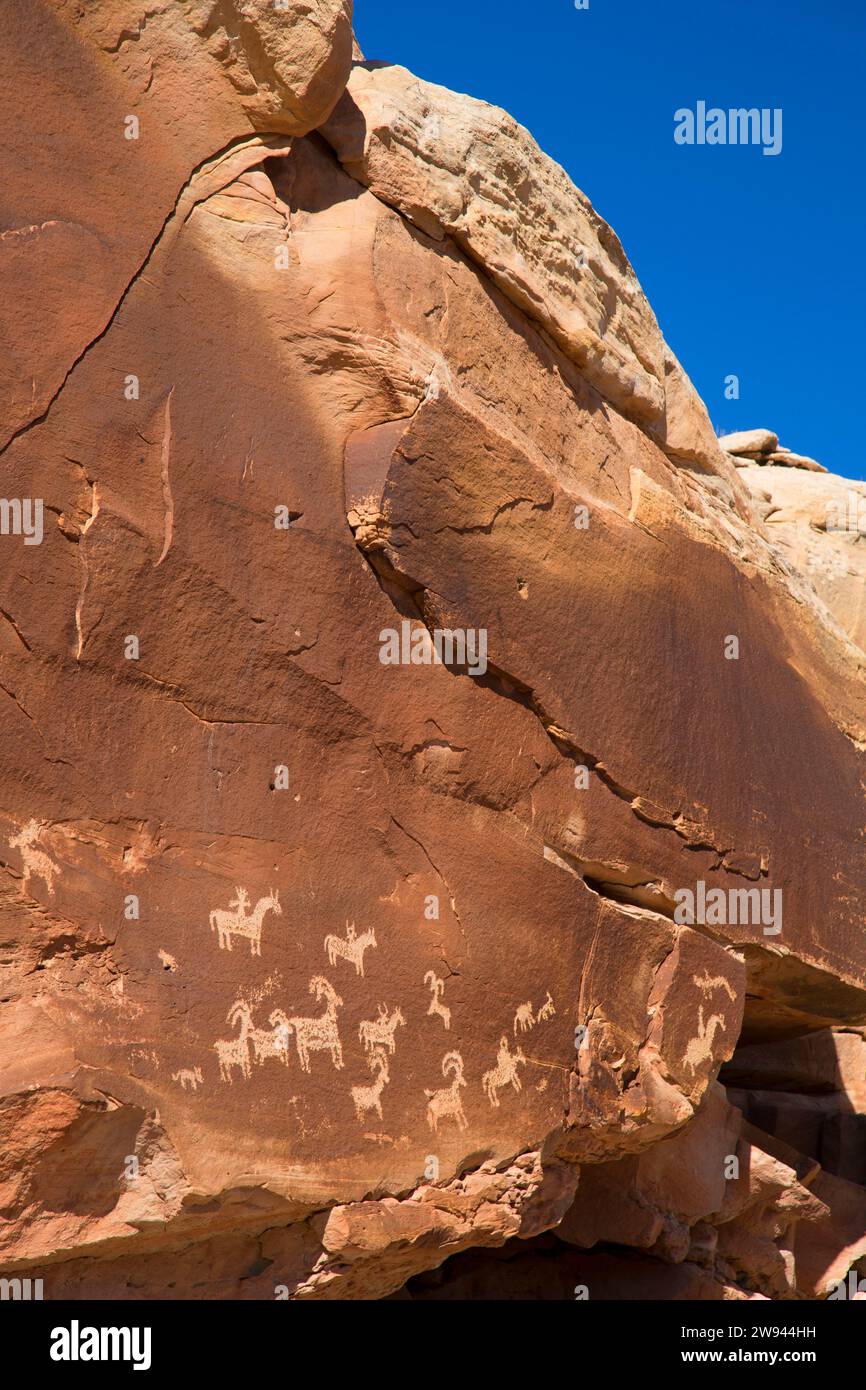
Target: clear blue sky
754 264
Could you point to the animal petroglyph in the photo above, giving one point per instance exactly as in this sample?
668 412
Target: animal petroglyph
366 1098
436 1005
547 1009
505 1071
235 1052
524 1019
700 1049
190 1078
380 1031
273 1041
34 861
319 1034
350 947
706 983
144 1055
242 922
446 1103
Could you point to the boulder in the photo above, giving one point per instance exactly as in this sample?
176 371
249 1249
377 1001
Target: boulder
750 443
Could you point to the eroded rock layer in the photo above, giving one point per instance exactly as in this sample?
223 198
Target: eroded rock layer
423 768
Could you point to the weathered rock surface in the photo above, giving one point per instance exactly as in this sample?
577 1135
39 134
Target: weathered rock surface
750 442
461 169
818 522
317 969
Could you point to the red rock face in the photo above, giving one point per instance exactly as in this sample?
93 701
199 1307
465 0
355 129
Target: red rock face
386 679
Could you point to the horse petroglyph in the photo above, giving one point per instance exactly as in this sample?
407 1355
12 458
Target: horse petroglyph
446 1103
241 922
380 1031
436 1006
350 947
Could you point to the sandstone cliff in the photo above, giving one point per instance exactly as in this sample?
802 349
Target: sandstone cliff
331 975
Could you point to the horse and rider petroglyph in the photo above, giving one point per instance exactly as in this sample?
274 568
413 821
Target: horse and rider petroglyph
505 1071
380 1031
350 947
241 922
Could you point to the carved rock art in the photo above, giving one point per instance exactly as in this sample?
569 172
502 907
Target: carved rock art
700 1049
524 1019
505 1071
35 862
243 923
381 1031
367 1098
350 947
318 1034
272 1042
190 1078
436 1007
445 1104
235 1052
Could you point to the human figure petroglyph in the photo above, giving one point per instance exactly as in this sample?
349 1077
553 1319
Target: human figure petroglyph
700 1049
235 1052
241 922
319 1034
524 1019
505 1071
367 1098
190 1078
350 947
380 1031
34 861
446 1104
436 1006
